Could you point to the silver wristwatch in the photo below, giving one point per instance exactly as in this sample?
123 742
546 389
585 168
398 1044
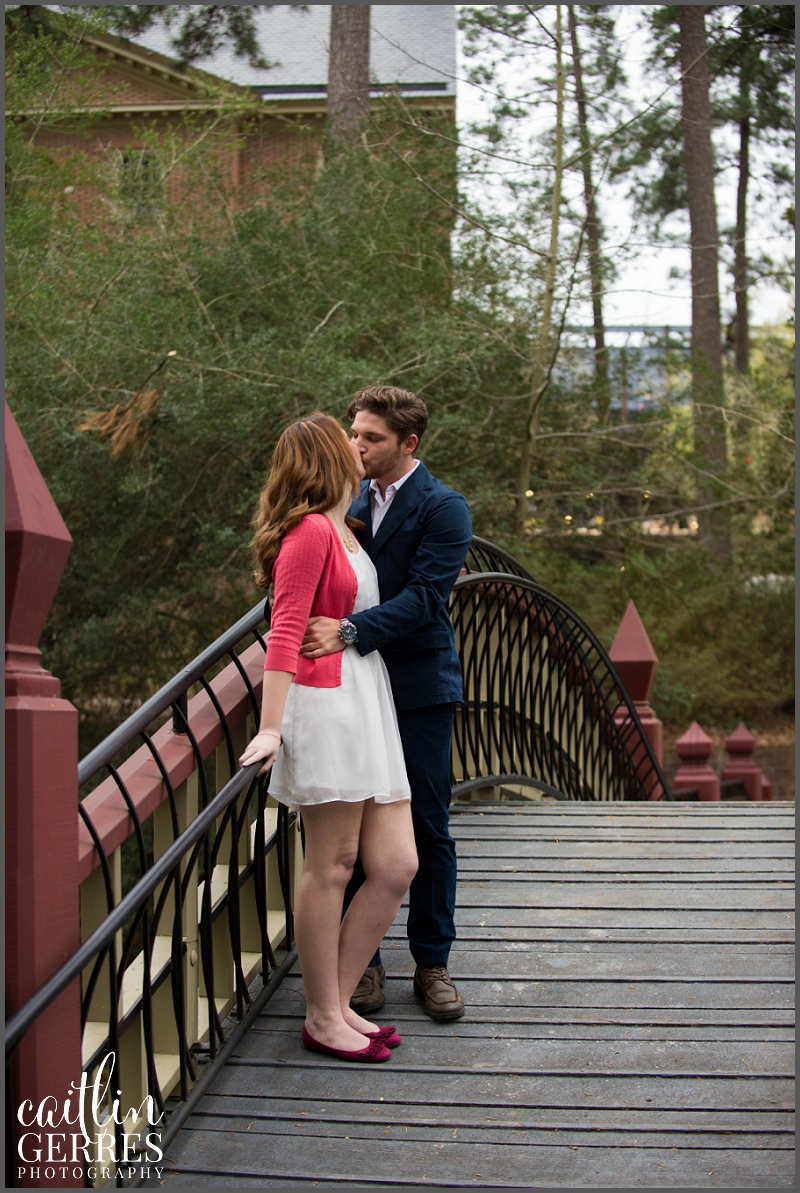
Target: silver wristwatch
347 631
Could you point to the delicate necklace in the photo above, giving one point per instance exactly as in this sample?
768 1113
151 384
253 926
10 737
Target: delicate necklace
348 538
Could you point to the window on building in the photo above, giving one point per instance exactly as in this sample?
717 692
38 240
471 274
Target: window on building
141 181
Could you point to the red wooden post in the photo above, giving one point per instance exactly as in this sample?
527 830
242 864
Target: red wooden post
42 900
636 663
694 750
740 746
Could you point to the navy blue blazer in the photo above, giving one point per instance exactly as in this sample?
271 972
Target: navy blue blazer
418 553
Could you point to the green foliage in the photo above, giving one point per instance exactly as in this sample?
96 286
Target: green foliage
725 637
286 307
157 350
201 29
725 645
751 69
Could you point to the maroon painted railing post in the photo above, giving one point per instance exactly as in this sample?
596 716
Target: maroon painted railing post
694 750
42 898
741 746
636 663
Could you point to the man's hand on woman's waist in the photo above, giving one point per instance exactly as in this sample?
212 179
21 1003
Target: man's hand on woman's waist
321 637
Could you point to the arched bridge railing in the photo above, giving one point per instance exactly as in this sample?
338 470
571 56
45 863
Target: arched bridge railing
484 556
188 870
543 707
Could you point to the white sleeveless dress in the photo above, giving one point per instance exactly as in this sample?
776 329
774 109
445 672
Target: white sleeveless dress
343 743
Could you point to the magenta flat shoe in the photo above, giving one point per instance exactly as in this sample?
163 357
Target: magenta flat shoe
376 1050
387 1035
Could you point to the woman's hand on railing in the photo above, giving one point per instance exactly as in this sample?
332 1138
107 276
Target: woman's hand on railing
265 745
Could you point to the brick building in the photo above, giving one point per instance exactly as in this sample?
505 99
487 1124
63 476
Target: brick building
143 98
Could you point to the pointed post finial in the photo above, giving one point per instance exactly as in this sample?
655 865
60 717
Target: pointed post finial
636 663
741 746
694 750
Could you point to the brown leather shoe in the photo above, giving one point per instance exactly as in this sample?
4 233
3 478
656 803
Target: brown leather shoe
438 992
368 995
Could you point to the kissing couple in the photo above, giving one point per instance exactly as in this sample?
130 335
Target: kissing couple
362 546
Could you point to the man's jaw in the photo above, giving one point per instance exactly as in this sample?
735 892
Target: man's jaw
370 472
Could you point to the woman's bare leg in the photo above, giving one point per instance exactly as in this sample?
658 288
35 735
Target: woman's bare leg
389 857
332 840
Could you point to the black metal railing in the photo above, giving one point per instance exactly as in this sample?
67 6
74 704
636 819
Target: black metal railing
173 695
484 556
171 873
190 891
193 907
544 707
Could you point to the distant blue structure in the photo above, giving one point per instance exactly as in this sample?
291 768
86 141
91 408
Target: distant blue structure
641 361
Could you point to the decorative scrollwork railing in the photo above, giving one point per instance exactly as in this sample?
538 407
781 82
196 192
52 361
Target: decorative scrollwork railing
188 869
484 556
544 707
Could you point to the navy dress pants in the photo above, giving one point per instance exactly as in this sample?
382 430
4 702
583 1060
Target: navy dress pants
426 734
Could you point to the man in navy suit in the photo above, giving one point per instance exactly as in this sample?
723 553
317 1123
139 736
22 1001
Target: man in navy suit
416 532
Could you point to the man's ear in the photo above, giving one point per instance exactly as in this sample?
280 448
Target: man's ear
410 445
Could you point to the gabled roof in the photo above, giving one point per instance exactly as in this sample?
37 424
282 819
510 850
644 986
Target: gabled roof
412 48
171 86
141 80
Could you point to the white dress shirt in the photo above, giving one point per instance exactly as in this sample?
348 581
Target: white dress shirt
380 505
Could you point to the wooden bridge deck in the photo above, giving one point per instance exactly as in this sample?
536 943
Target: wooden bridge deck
628 976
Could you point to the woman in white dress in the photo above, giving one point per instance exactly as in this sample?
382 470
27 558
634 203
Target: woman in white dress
329 730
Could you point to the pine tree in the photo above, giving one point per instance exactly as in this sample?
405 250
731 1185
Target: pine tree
348 69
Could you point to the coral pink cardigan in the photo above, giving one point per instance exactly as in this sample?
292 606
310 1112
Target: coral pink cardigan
312 577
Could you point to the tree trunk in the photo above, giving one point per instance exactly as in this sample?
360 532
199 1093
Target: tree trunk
348 69
707 392
543 346
592 229
740 244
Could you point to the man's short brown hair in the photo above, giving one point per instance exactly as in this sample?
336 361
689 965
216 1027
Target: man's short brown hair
403 412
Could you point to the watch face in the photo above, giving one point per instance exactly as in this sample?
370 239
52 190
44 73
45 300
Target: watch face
347 631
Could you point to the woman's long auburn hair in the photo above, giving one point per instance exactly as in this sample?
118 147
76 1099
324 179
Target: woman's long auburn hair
311 470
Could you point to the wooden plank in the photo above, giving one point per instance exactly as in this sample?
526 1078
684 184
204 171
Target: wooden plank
494 942
629 967
402 1006
585 1118
696 868
644 966
245 1154
613 814
513 1134
670 834
736 938
640 831
633 896
319 1079
646 992
602 823
599 918
621 874
465 1054
406 1015
629 1023
474 1025
515 846
618 807
473 1164
624 851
